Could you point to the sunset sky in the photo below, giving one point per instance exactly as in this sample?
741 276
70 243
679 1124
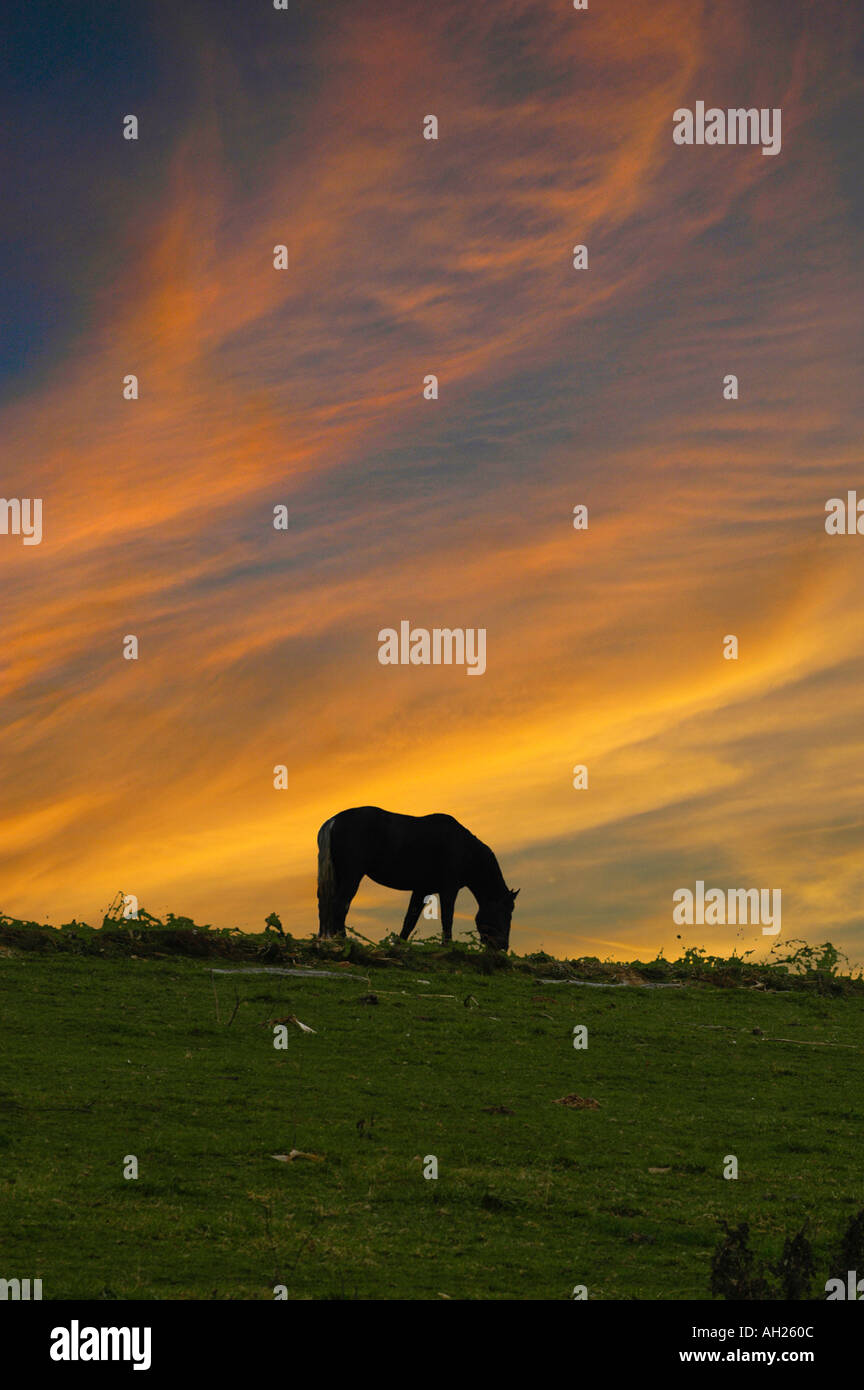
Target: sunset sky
304 387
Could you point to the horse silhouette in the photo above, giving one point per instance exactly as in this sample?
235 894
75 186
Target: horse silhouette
423 855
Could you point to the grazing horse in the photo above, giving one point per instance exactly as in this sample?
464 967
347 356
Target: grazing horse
423 855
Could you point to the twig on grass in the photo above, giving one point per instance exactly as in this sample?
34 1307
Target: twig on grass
237 1002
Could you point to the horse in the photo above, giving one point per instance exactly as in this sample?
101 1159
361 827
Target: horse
423 855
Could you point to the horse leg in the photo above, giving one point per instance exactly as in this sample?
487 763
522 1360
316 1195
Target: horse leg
331 909
334 904
339 878
447 899
415 907
344 897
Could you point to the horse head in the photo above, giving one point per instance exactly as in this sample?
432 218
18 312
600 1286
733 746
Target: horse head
493 920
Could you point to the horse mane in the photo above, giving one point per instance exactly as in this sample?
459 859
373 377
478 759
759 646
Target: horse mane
489 864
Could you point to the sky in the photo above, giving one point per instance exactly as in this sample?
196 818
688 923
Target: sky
303 388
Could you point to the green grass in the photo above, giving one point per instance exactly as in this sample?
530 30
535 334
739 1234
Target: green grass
109 1057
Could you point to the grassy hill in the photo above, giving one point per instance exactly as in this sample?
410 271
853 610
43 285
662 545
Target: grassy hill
120 1042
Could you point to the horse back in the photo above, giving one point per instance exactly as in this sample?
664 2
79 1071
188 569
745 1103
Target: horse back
372 820
401 851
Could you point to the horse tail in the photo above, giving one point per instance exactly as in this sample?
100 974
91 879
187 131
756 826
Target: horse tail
327 899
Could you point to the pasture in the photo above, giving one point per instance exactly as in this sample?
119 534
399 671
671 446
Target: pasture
437 1054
